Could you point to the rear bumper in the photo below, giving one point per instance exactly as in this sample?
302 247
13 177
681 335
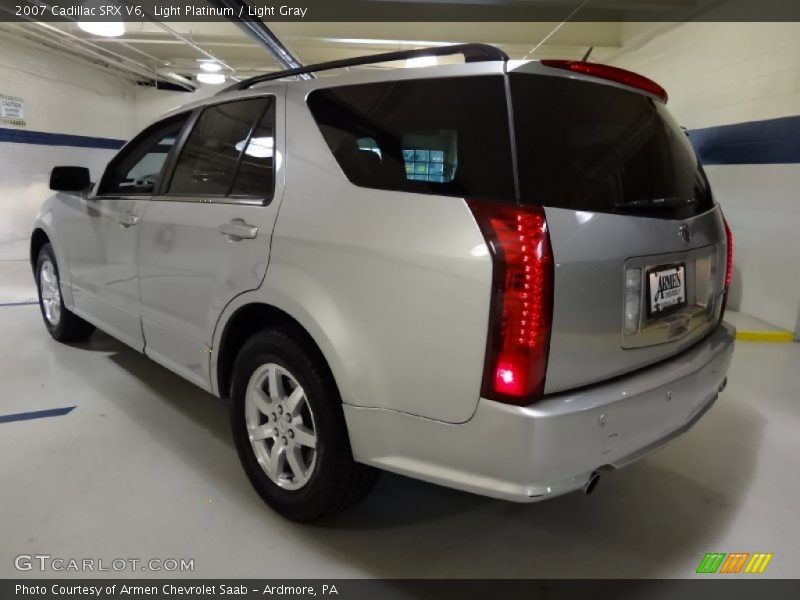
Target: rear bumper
532 453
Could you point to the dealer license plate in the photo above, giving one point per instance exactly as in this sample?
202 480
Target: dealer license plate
666 289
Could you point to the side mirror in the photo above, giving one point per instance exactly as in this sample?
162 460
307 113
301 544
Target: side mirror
70 179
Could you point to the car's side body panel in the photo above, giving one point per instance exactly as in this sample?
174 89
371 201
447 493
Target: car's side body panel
406 312
100 253
189 272
190 269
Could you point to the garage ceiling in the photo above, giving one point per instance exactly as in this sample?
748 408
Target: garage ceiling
155 51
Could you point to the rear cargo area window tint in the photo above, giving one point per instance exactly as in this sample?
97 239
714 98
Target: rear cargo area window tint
595 147
444 136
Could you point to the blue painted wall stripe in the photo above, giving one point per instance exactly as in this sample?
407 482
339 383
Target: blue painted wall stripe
774 141
24 136
26 303
39 414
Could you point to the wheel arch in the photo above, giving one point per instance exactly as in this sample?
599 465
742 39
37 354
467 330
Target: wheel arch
38 239
41 235
245 321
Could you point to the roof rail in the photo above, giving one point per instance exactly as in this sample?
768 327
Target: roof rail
471 52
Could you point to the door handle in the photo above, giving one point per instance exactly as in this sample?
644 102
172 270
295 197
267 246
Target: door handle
238 230
128 219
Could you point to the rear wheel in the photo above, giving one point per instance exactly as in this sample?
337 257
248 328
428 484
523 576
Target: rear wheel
63 325
289 428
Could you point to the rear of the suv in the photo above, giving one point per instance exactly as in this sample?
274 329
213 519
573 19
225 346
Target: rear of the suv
522 271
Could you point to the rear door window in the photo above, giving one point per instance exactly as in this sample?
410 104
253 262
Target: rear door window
256 174
229 151
434 136
595 147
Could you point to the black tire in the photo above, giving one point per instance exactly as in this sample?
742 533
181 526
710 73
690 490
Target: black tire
69 326
335 481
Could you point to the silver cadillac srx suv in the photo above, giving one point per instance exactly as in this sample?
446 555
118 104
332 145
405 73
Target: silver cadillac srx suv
499 277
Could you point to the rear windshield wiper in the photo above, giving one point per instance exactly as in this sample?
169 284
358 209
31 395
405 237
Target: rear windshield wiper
657 203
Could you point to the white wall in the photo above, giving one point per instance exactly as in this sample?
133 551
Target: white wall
61 95
65 95
727 73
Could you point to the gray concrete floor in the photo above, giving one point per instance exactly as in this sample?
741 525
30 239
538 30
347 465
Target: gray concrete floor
144 467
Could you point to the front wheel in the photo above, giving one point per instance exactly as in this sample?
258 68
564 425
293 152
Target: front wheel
289 428
63 325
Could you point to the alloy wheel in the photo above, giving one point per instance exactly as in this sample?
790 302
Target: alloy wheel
50 292
280 426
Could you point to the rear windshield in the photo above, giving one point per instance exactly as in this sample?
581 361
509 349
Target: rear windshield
444 136
594 147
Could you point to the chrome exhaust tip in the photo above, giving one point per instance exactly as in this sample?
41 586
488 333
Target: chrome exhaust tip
593 481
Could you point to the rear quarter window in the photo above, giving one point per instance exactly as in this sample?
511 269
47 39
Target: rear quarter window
444 136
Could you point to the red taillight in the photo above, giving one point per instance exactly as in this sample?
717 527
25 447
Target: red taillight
522 300
729 263
611 73
728 266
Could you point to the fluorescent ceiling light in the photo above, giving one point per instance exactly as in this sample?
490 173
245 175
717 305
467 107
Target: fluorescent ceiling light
103 28
210 66
421 61
211 78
